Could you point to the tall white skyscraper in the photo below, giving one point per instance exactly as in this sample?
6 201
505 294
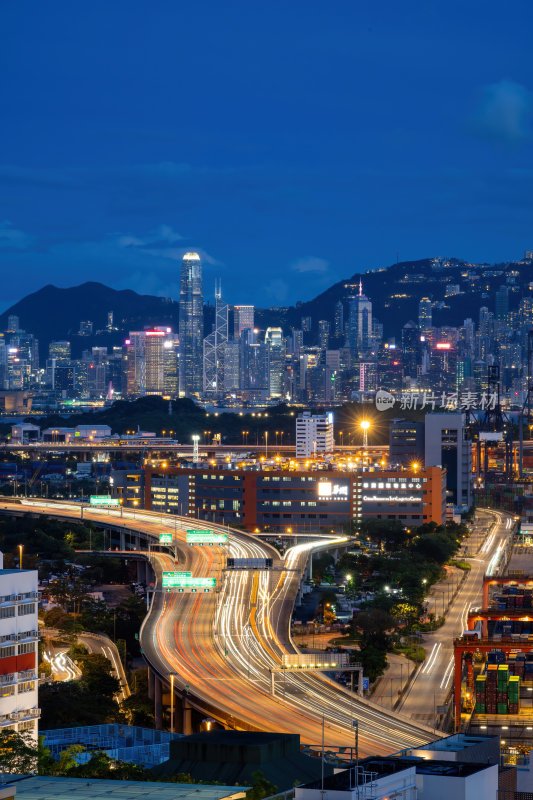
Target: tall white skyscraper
360 323
191 325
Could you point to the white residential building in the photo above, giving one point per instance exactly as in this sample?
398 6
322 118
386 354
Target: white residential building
406 779
19 634
314 434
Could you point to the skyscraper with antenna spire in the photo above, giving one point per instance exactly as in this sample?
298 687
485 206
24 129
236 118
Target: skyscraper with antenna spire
360 322
214 346
191 325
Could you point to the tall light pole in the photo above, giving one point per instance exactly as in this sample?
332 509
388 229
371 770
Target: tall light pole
195 456
266 444
172 702
365 425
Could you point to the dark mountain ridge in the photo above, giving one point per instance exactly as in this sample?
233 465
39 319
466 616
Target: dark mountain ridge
458 290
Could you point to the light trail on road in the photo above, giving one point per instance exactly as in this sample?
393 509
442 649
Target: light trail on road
224 645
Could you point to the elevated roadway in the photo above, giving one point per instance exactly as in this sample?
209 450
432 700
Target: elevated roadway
434 678
222 646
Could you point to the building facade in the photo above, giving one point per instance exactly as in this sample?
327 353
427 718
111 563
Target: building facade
19 636
314 434
447 445
300 500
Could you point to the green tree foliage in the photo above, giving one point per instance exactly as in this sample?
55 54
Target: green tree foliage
88 701
138 708
17 753
322 566
261 787
96 674
151 413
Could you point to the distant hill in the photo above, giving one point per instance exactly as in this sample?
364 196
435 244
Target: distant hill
52 313
395 291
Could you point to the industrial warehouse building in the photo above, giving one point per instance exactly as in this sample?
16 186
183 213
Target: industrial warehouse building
281 499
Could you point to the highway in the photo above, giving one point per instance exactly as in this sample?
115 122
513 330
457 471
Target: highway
433 680
223 645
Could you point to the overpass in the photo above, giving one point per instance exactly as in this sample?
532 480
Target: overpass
172 448
217 650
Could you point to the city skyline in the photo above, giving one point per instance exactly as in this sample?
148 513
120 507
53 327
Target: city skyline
284 174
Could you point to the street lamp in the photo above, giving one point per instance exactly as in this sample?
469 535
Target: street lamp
172 676
365 425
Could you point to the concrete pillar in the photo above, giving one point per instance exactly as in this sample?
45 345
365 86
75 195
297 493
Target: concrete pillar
122 540
151 684
187 717
311 565
158 706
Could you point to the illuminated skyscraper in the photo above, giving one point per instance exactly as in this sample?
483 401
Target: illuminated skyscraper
339 319
61 352
243 320
276 360
214 346
323 333
360 323
425 317
191 325
150 363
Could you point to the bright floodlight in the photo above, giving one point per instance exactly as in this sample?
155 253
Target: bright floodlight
365 425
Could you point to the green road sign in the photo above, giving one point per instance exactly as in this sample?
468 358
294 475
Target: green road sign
103 500
165 538
183 580
206 537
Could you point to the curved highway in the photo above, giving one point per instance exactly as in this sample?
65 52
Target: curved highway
224 644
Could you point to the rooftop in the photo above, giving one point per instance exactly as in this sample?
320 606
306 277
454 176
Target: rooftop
383 767
456 743
47 788
15 571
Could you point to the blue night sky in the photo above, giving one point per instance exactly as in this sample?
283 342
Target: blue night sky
290 143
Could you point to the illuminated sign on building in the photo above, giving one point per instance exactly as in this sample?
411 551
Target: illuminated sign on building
391 498
165 538
332 490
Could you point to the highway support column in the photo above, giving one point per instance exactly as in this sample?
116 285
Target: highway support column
187 716
158 705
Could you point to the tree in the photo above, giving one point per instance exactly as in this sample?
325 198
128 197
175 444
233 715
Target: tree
17 754
96 674
374 661
383 530
261 787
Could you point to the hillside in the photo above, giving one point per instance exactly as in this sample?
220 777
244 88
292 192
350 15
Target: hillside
396 290
53 313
